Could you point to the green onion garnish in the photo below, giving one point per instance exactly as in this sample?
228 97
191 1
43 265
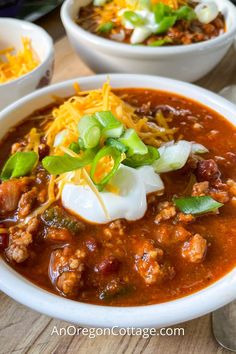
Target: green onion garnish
145 4
111 127
160 42
90 131
137 160
105 27
133 18
57 165
19 165
106 151
74 147
185 13
161 11
197 205
116 144
81 144
133 142
165 24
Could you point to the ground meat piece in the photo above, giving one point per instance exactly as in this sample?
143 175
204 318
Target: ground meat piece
194 250
200 189
107 266
65 270
56 234
42 195
184 218
166 211
203 188
232 187
20 238
209 28
33 226
219 195
118 226
146 264
27 202
171 234
207 170
10 193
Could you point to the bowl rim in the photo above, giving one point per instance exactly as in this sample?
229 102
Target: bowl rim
45 37
143 50
169 313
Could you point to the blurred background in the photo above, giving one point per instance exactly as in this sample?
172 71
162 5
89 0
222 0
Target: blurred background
30 10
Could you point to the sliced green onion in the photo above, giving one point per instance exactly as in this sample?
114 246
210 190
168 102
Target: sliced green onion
106 27
160 11
90 131
74 147
116 144
57 165
133 18
185 13
19 165
145 4
133 142
197 205
165 24
137 160
112 128
81 144
117 158
160 42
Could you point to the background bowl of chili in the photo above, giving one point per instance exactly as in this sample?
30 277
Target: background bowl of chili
167 313
183 62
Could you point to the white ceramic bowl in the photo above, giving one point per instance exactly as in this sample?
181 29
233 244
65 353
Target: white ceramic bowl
10 36
165 314
187 63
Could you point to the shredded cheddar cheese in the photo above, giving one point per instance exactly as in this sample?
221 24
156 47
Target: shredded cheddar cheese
13 66
67 116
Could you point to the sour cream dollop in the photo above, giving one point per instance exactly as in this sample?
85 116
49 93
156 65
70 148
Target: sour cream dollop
130 203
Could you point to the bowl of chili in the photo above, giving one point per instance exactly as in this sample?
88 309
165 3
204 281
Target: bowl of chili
174 263
192 55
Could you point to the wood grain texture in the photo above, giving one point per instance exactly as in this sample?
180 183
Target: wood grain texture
25 331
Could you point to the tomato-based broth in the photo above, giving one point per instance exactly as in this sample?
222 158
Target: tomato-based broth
166 254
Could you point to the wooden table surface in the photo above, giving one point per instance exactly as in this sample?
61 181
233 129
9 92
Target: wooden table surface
25 331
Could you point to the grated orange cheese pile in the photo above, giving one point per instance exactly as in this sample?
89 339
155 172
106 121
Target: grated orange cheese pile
13 66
